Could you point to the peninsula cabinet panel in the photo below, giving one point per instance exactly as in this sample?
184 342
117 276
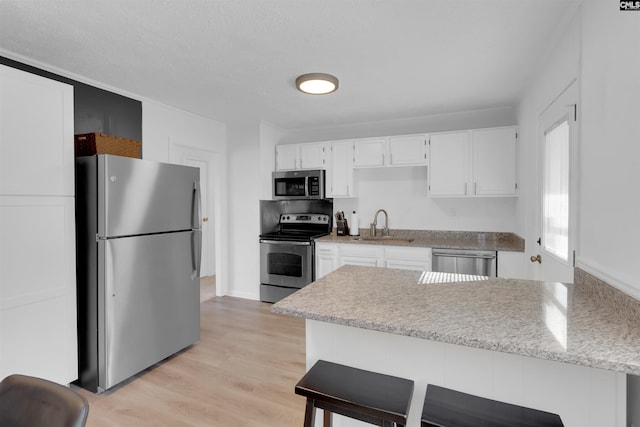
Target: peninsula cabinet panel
36 135
38 288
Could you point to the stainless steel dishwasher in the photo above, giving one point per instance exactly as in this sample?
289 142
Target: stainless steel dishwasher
465 261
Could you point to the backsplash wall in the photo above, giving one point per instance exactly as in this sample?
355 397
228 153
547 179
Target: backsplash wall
402 192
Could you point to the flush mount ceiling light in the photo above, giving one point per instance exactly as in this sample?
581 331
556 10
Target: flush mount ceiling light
317 83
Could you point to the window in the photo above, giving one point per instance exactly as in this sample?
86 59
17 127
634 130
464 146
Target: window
556 190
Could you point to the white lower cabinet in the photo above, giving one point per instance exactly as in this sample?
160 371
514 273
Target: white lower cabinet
407 258
331 256
511 265
365 255
37 288
326 259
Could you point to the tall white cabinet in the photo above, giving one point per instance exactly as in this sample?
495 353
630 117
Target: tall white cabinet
37 228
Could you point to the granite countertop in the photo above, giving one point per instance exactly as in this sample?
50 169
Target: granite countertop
491 241
548 320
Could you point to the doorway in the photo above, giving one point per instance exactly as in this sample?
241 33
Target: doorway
205 161
557 216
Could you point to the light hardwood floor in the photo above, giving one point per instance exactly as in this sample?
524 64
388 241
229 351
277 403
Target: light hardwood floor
242 372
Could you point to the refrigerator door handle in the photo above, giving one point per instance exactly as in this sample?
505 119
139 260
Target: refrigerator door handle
196 208
196 253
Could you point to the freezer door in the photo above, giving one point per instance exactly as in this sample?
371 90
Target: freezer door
142 197
151 299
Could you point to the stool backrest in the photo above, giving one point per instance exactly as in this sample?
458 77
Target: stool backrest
34 402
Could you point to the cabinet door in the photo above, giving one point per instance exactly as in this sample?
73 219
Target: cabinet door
408 150
365 255
312 155
369 152
407 258
511 265
326 259
340 170
286 157
449 164
494 161
36 135
38 334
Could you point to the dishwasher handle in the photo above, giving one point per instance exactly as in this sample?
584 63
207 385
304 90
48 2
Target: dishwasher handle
450 255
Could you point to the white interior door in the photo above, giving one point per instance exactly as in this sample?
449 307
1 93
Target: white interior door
204 160
556 222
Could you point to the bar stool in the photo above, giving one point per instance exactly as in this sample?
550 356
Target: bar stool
449 408
367 396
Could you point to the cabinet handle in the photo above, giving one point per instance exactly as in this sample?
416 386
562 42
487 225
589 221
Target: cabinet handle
475 188
465 188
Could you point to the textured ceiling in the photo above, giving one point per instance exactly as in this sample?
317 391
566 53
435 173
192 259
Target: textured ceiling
237 60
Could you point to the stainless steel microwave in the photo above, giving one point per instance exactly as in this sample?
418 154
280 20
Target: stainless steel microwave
302 184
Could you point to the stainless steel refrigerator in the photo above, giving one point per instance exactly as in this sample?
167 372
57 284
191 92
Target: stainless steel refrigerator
138 244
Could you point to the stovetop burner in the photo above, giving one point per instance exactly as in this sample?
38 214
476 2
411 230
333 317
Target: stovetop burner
300 227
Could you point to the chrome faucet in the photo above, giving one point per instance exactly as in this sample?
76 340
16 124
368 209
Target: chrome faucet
385 230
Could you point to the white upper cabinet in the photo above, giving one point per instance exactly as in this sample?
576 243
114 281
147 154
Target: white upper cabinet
494 160
340 182
287 157
369 152
404 150
408 150
300 156
473 163
36 135
449 164
312 155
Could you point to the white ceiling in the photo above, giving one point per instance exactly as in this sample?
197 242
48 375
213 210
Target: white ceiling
237 60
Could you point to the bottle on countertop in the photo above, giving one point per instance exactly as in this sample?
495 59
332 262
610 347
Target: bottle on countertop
355 225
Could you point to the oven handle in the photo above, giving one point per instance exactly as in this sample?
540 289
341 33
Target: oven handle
284 242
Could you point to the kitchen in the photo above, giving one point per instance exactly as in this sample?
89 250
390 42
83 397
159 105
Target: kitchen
586 45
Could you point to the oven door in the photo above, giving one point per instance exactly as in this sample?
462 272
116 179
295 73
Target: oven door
286 263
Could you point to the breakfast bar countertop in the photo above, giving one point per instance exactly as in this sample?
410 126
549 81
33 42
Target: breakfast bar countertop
576 324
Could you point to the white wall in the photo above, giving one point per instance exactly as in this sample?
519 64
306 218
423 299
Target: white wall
402 192
600 47
162 128
244 210
610 145
556 72
503 116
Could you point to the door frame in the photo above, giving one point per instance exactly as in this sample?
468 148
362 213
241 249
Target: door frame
562 104
177 153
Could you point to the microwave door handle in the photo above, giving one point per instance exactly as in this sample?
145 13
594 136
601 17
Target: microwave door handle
306 187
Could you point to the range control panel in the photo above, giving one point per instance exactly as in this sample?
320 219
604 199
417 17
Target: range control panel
304 218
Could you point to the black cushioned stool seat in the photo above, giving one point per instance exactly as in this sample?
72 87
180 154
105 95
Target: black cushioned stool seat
449 408
371 397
